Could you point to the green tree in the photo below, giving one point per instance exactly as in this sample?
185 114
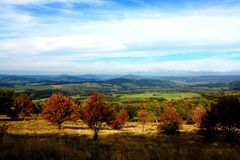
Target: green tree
22 106
6 100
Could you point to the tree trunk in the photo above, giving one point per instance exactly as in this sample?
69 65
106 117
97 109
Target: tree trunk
95 135
59 125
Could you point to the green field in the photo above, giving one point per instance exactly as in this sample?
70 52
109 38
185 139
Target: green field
168 96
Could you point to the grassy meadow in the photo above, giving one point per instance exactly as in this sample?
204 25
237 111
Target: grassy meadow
38 139
168 96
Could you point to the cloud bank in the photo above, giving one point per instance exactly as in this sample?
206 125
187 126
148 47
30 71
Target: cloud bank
97 36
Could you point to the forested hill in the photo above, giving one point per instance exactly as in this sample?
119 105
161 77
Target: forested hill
141 82
166 81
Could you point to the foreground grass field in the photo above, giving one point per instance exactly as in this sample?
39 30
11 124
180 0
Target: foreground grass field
37 139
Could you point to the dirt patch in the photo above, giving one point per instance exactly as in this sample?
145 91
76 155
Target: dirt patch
93 85
57 86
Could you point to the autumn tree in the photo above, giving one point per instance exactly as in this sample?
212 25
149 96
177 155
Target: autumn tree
156 108
144 116
120 120
60 108
197 114
96 112
22 105
170 122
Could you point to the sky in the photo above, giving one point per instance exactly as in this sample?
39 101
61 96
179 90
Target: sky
161 37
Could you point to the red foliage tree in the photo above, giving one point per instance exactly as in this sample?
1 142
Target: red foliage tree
170 121
121 119
96 112
60 108
123 115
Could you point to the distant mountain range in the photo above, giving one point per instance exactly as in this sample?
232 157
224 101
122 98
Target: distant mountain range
13 80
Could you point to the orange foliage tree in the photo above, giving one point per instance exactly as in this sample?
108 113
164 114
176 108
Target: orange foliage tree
60 108
197 114
144 116
96 112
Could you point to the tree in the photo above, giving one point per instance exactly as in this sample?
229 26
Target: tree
96 112
38 106
197 114
6 100
22 105
144 116
123 115
120 120
155 107
223 116
60 108
170 122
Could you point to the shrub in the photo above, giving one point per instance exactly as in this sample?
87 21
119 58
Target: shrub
120 120
117 124
170 122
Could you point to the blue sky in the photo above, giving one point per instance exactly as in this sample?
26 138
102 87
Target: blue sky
119 36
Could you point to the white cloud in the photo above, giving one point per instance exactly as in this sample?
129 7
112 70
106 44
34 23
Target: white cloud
51 65
178 31
149 34
25 2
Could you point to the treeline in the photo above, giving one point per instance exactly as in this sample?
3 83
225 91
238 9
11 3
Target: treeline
218 114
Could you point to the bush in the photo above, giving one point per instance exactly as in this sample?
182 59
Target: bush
117 124
170 122
120 120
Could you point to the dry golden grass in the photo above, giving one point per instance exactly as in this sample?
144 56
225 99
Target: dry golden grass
39 126
38 139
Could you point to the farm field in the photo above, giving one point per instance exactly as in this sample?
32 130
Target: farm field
38 139
57 86
168 96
